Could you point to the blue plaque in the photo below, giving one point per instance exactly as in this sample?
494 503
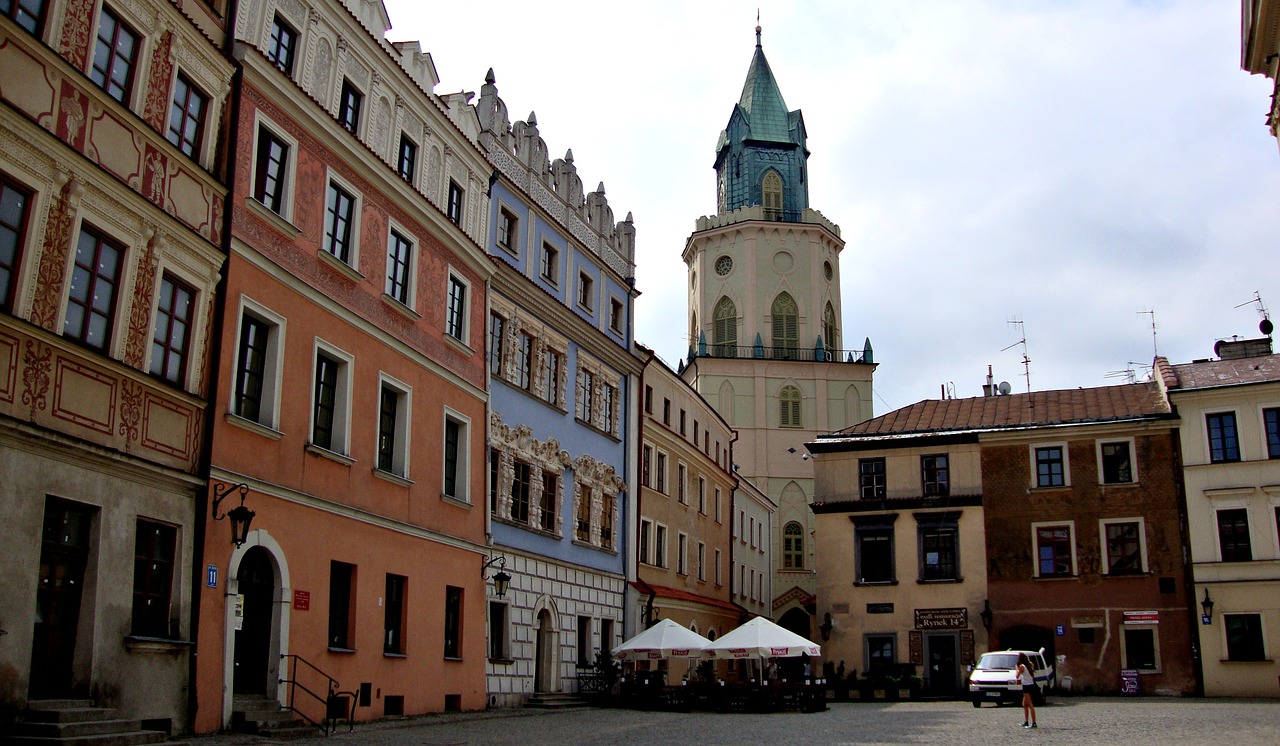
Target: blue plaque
212 580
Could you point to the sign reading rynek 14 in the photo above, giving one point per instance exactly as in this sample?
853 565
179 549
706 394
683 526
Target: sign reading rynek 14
942 618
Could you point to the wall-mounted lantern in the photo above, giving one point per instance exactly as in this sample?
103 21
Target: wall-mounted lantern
501 580
240 516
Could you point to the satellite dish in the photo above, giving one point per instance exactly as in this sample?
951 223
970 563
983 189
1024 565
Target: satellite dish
1005 388
1266 327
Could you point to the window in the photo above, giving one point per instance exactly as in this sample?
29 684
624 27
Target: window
495 468
1123 542
407 162
681 481
935 475
258 366
880 653
717 505
497 342
1224 444
452 622
114 57
666 412
553 362
1270 421
938 535
329 400
342 586
548 264
186 117
29 14
393 618
702 561
608 507
771 195
399 267
1244 637
520 490
1050 469
456 320
393 428
153 556
785 317
609 397
873 549
457 461
582 514
340 208
1233 535
270 171
507 236
606 635
615 315
646 462
789 407
661 473
702 495
547 501
725 328
871 478
660 546
586 292
829 327
793 546
1117 466
172 337
349 103
91 305
1140 648
455 203
13 238
586 391
584 642
1054 555
751 531
648 400
646 527
682 543
281 47
717 567
499 640
524 362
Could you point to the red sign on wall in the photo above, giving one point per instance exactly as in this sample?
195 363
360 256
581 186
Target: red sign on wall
302 600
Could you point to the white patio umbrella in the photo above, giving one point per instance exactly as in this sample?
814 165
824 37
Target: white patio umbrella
764 639
666 639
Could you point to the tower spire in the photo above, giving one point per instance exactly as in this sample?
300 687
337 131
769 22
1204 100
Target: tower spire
757 28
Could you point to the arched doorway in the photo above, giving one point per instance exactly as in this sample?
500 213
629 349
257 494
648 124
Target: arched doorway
257 585
797 620
546 656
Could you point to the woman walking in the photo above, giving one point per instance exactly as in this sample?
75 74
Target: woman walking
1028 681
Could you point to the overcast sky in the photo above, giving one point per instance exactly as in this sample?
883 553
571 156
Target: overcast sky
1068 164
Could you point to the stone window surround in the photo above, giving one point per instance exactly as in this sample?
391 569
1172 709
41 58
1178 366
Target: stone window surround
602 377
544 339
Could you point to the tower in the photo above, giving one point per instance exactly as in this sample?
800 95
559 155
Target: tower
765 324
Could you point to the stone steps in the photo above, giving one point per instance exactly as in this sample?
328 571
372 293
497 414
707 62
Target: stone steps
265 717
76 722
555 700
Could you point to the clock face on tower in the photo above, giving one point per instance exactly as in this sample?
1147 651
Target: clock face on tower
724 265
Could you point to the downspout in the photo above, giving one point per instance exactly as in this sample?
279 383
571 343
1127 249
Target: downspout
633 556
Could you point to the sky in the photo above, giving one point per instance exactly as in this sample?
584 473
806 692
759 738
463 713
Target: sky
1083 167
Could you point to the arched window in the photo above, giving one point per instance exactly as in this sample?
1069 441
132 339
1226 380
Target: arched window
725 332
793 546
693 328
771 195
829 328
789 407
786 327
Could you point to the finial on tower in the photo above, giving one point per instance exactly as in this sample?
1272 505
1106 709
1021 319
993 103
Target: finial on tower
757 27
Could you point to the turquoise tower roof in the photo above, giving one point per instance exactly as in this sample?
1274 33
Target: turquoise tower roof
761 101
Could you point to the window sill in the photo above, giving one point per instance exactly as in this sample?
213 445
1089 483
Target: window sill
254 427
351 272
316 450
457 502
502 661
593 426
458 343
343 651
396 479
452 659
1056 577
401 308
939 581
862 583
597 547
1259 660
277 220
528 527
396 656
143 644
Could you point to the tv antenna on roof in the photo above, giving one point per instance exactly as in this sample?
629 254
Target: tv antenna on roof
1265 326
1026 361
1155 351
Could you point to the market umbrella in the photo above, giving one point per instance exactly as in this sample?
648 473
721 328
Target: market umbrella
666 639
762 638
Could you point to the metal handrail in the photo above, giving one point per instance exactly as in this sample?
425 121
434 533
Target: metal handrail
781 352
329 722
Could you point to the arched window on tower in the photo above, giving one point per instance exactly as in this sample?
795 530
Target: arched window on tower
725 332
786 327
793 547
693 330
789 407
829 328
771 196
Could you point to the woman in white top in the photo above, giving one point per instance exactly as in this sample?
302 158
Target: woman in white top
1028 681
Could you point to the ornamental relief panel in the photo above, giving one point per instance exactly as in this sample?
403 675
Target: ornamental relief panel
543 457
596 478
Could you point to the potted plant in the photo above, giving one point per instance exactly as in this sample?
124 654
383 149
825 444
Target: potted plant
915 685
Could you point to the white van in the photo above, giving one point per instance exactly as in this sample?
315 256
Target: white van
995 678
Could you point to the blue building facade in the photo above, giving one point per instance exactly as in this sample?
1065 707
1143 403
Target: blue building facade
562 421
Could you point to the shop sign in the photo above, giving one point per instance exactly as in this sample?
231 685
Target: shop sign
957 618
302 600
1142 617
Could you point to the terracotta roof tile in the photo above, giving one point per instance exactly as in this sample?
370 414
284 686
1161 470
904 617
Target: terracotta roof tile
1215 373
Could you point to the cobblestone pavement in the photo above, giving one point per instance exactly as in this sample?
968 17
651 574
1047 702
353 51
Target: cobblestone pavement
1130 722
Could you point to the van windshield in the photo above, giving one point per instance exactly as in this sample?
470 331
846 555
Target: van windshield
1007 661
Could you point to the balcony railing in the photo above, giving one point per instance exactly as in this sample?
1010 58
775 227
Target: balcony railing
771 352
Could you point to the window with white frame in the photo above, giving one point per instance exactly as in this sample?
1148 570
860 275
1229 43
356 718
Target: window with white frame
1115 461
646 531
586 292
660 474
400 261
549 264
1234 543
1271 426
186 117
330 399
508 231
1224 440
456 310
702 495
1245 641
1140 647
94 289
702 561
596 496
1054 544
873 548
283 45
527 479
682 546
792 546
682 481
457 456
454 210
394 406
1050 463
258 364
340 223
660 545
407 158
938 537
598 396
115 57
171 336
1124 543
499 631
273 171
717 567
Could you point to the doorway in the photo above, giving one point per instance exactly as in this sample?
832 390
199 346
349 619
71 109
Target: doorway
64 555
942 673
256 578
545 663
